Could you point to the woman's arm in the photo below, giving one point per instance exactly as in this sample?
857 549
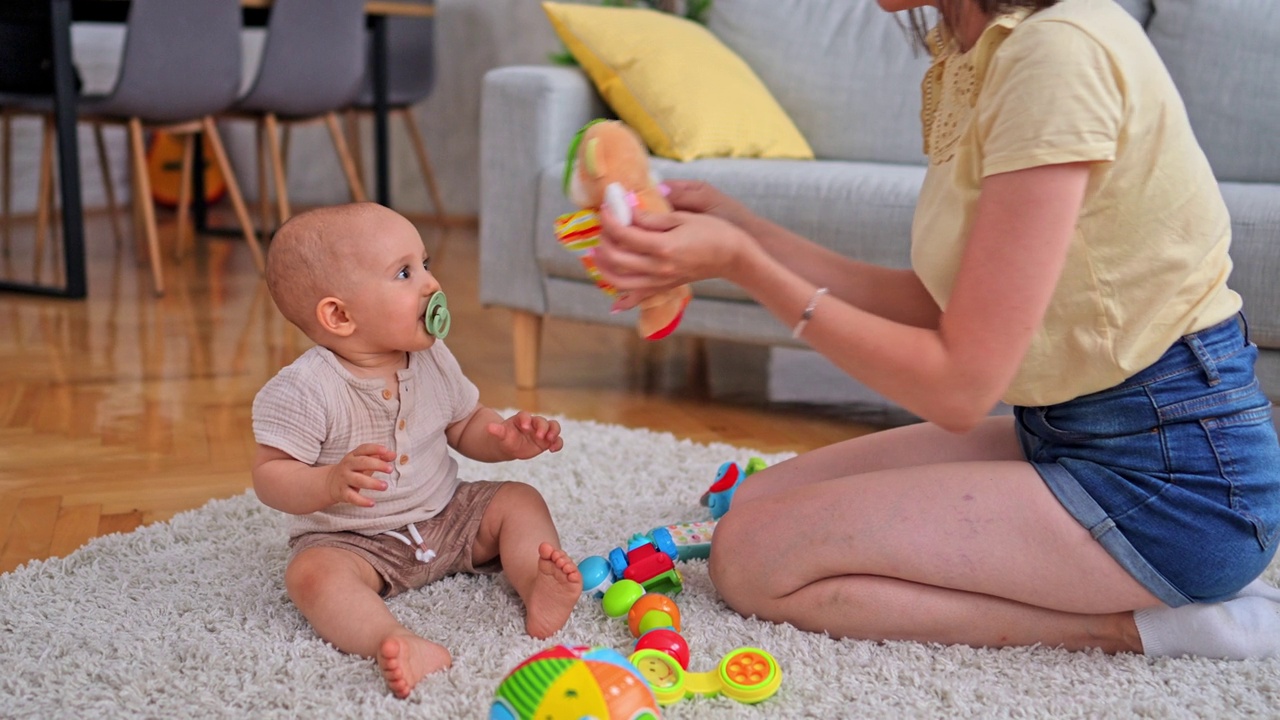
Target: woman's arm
951 374
895 294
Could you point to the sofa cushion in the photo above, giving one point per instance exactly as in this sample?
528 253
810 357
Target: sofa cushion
1255 250
683 90
1223 57
846 72
862 210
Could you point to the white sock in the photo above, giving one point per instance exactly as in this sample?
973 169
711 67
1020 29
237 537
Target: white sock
1259 588
1246 626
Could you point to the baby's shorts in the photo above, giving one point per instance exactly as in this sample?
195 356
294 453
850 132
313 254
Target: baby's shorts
1175 471
452 534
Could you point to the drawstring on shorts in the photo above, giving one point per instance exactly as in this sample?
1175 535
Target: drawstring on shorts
420 549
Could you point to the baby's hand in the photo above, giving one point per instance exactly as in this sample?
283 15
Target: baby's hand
355 472
523 436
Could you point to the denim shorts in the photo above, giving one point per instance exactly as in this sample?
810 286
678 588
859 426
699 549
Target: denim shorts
1176 471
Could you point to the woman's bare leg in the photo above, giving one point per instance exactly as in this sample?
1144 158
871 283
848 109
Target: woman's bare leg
922 535
906 446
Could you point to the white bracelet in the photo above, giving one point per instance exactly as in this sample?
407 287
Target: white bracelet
807 315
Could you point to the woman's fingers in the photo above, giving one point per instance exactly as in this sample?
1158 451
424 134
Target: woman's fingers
692 195
625 254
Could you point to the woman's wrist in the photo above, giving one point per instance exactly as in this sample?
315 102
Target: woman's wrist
745 258
749 264
807 314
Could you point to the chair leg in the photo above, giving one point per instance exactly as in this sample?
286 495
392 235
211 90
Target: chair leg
344 157
286 133
7 162
44 191
233 190
526 337
142 183
139 223
184 194
107 185
264 191
351 119
424 162
277 166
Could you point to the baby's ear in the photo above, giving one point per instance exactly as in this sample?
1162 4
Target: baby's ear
332 315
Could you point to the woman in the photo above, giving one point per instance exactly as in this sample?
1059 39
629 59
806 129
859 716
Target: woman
1069 255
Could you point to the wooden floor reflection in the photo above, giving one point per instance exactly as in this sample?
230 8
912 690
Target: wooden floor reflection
125 408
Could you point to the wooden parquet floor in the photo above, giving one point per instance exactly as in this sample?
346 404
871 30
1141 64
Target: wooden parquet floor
125 409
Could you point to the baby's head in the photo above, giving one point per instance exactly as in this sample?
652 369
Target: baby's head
336 268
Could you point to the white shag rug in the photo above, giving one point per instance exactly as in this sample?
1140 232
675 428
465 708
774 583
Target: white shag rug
189 618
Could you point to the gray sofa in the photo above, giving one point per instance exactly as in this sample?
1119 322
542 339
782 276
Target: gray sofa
847 75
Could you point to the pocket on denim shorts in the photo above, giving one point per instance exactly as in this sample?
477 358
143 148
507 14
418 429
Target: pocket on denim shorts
1248 457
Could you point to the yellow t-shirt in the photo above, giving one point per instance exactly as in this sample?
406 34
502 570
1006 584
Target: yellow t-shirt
1079 81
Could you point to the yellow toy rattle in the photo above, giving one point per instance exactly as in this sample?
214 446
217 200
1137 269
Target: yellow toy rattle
748 675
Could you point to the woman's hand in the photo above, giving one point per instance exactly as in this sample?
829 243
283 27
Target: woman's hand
660 252
700 197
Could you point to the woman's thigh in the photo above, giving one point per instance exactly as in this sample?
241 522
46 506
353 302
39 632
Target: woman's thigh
901 447
980 526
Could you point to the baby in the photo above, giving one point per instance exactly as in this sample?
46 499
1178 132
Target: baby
353 442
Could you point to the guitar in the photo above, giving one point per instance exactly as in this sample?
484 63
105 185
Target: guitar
164 168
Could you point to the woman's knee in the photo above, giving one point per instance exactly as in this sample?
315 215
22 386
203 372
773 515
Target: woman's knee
732 568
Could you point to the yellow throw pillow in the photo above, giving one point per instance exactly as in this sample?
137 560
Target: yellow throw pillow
687 94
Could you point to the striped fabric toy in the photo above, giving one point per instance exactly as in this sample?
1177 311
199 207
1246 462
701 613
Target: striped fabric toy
579 233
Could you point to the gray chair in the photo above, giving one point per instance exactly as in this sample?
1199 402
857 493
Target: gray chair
312 64
180 66
411 74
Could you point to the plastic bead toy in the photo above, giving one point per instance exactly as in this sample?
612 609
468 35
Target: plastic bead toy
596 575
656 604
748 675
620 596
649 561
667 641
637 582
573 682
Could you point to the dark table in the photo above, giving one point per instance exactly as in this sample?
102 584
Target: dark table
60 15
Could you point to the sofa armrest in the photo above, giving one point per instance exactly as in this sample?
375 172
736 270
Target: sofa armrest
528 116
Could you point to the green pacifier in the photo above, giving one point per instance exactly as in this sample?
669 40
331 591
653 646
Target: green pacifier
438 319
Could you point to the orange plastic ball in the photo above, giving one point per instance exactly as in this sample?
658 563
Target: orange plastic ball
652 601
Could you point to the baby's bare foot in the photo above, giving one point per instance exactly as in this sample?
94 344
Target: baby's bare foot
555 591
406 659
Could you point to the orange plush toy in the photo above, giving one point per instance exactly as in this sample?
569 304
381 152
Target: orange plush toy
608 164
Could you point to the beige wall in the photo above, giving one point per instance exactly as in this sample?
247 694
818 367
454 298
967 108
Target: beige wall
473 36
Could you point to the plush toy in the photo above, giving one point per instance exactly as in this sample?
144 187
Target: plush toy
608 164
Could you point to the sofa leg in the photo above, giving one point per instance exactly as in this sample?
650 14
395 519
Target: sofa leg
698 374
526 337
